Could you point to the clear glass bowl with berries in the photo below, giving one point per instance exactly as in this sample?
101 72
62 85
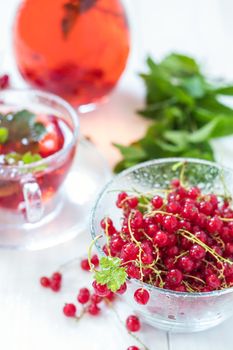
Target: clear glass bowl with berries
164 233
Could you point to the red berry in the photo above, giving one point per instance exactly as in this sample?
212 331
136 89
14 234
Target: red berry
157 202
173 207
213 281
142 296
133 324
197 252
174 277
170 223
83 296
85 265
107 225
4 81
137 219
100 289
172 240
132 202
175 183
93 309
201 235
190 212
56 276
106 222
186 264
160 239
133 271
69 310
214 200
193 192
45 282
206 207
181 288
96 299
152 229
214 224
169 262
122 289
55 285
172 251
158 218
110 296
133 347
116 243
129 251
147 253
121 199
184 224
229 248
95 260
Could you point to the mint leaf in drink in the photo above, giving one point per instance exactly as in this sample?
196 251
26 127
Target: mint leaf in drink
3 135
111 273
29 158
72 10
22 125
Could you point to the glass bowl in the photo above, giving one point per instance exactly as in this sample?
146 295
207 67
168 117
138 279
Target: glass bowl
169 310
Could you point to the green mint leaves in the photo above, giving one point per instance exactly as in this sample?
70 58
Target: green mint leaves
20 125
111 273
15 158
185 110
3 135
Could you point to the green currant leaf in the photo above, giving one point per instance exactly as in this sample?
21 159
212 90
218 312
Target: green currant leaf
111 273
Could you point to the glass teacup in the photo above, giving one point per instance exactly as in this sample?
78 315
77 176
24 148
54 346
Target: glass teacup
27 190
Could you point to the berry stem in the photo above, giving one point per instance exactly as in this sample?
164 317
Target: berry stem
137 244
193 238
92 269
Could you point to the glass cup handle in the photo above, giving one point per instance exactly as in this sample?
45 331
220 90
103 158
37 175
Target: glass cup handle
33 201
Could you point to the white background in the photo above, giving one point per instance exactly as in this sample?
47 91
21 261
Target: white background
31 318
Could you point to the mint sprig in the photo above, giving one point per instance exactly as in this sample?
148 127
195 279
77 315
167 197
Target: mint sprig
185 109
111 273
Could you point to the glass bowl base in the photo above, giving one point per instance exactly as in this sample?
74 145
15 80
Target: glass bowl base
174 326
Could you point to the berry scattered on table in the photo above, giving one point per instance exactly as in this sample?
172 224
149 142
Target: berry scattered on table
54 282
4 81
45 282
133 324
69 310
83 296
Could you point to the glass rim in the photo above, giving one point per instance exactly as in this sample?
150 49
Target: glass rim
130 170
60 101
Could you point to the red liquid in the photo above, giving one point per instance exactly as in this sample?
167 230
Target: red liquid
48 177
81 66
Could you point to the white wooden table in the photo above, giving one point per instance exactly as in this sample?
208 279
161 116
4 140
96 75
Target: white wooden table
31 318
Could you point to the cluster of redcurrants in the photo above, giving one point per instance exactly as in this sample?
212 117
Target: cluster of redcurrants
181 240
90 301
54 282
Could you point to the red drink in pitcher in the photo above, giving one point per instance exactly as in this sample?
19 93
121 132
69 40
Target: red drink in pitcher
74 48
